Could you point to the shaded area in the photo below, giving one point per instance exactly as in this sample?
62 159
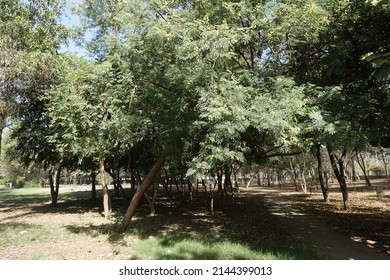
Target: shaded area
189 247
337 234
240 228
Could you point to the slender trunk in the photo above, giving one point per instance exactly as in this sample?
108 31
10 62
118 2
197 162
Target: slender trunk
219 182
106 194
268 179
259 178
362 164
204 186
385 164
118 181
1 139
141 190
189 185
354 177
177 181
228 181
93 182
324 187
212 191
295 175
165 186
250 180
303 183
132 183
115 181
152 201
54 181
52 190
338 167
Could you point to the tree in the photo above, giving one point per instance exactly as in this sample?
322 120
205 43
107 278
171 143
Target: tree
30 35
355 91
90 112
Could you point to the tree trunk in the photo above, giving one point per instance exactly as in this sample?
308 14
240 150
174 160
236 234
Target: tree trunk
338 167
385 164
106 194
259 178
228 182
54 182
93 182
354 176
250 180
295 175
1 139
190 189
152 201
303 182
142 189
362 164
324 187
219 182
132 182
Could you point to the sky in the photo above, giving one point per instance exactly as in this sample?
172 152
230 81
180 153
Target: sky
71 20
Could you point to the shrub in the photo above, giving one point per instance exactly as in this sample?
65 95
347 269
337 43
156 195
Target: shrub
34 183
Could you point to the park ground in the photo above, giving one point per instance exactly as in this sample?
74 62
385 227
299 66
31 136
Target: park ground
256 223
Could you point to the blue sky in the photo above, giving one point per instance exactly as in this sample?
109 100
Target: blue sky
71 20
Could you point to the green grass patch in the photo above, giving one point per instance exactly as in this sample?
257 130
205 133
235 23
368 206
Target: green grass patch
16 234
31 195
41 195
35 256
205 248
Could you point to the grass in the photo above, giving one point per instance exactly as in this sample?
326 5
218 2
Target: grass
16 234
40 195
203 248
30 195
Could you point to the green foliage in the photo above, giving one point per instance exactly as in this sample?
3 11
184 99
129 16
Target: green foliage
215 83
206 248
32 184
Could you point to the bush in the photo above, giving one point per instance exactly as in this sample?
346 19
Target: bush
34 183
4 182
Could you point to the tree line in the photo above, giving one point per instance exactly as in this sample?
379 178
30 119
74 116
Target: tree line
199 87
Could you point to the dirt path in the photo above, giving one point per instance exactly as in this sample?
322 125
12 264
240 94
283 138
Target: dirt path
315 234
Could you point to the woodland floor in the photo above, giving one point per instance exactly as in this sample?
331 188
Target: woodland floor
76 230
332 232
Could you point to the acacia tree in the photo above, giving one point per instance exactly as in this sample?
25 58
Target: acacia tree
90 114
30 35
202 77
348 63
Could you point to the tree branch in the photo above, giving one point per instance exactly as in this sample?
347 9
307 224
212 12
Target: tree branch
284 154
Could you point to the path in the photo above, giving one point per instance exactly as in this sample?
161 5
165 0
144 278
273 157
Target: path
315 234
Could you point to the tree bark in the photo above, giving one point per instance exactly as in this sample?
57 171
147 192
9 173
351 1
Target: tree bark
324 187
54 182
338 167
93 182
152 201
1 139
362 164
385 164
295 174
142 189
354 175
302 174
106 194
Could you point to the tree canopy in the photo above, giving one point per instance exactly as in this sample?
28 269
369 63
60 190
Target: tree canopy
207 84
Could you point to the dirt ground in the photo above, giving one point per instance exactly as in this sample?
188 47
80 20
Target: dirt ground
76 229
362 233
